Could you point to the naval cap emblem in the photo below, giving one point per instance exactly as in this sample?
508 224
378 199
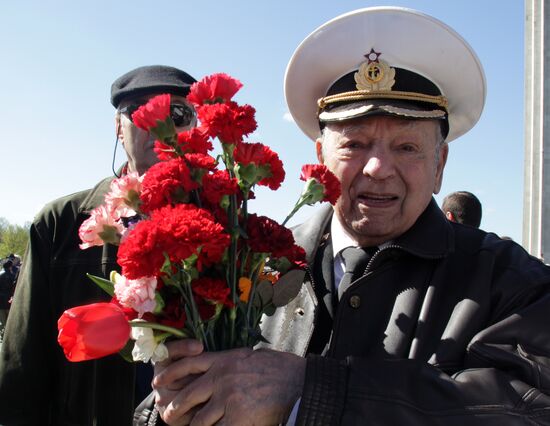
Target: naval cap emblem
374 74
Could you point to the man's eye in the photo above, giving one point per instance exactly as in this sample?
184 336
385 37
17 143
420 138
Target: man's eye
407 148
353 145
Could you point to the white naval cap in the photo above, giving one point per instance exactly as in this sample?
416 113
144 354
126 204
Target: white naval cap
385 60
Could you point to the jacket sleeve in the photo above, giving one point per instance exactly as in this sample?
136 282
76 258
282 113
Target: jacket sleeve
504 380
28 340
146 413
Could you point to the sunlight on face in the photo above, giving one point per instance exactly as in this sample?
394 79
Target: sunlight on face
388 167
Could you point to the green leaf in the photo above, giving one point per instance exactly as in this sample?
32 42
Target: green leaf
126 351
270 309
166 267
281 264
107 285
247 174
313 191
159 304
165 130
109 235
288 287
263 294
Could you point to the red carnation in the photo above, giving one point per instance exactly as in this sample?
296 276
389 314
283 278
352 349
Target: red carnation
213 290
173 313
228 122
330 190
195 141
200 161
218 184
178 232
166 183
267 236
156 109
269 168
297 255
216 88
139 255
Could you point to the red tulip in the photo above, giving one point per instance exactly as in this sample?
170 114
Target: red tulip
92 331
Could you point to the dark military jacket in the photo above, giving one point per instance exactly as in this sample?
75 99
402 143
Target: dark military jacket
38 386
450 325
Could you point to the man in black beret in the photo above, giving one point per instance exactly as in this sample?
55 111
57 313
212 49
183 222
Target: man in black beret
38 386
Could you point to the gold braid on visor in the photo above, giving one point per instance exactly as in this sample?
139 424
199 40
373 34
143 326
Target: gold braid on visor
359 95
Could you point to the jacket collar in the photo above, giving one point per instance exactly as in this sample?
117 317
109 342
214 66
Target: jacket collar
431 236
308 235
96 196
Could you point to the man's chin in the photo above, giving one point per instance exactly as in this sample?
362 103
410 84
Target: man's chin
370 231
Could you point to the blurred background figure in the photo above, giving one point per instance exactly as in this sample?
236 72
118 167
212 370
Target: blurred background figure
462 207
8 276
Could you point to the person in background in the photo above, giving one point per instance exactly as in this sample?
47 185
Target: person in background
7 286
462 207
38 386
404 318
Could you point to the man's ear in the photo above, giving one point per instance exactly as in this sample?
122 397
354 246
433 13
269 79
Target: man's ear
118 128
441 161
450 216
319 150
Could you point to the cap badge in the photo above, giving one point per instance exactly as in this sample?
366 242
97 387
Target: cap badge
374 74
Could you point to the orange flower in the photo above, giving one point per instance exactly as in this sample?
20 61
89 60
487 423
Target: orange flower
272 278
245 284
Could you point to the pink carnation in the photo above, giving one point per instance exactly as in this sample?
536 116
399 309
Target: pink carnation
124 196
138 294
101 227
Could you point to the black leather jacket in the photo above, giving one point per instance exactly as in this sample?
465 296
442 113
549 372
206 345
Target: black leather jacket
450 326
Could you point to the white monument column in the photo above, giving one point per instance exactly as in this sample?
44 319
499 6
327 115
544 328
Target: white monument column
536 204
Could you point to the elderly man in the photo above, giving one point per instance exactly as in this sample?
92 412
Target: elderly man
405 318
38 386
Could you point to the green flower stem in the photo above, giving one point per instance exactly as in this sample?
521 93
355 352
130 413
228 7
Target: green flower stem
233 231
155 326
302 201
162 337
197 320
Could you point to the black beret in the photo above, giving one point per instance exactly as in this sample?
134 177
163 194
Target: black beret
151 79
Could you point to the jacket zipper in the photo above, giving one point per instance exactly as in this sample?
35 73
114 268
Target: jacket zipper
336 322
310 335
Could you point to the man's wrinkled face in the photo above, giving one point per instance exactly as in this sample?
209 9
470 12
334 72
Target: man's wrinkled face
138 143
388 167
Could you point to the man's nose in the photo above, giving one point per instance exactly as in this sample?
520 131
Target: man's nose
379 166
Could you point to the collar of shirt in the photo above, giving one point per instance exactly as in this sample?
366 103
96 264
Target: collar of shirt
340 240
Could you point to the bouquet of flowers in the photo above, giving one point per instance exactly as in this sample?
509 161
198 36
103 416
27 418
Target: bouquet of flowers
195 262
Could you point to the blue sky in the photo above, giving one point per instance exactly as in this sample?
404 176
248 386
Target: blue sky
59 59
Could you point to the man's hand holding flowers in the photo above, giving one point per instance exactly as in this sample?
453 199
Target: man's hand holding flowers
235 387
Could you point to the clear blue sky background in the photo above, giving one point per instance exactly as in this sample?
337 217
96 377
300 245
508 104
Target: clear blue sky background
59 59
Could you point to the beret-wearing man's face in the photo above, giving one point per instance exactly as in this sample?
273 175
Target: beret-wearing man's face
388 167
139 144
